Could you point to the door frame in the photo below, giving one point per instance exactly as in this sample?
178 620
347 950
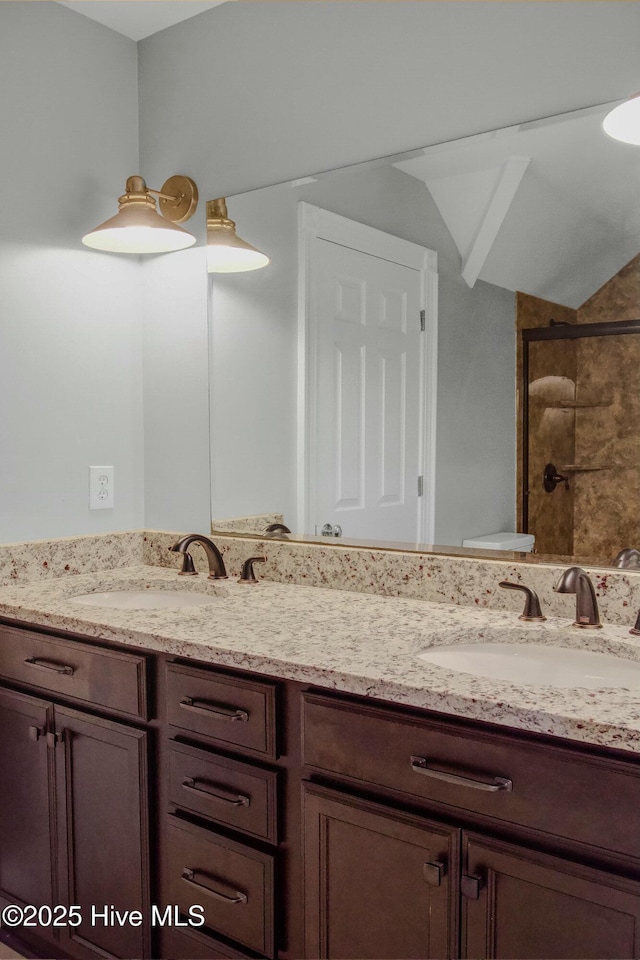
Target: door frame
315 223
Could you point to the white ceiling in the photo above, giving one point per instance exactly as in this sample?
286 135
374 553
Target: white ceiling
138 19
572 219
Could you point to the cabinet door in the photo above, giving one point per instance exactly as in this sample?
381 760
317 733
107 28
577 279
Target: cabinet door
103 830
26 801
378 882
518 903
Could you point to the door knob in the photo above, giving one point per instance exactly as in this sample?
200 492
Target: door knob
331 530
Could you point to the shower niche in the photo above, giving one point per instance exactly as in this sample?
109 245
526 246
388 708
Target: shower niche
580 438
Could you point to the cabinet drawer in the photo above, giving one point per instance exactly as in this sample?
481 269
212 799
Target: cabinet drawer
554 789
95 676
223 790
225 710
232 883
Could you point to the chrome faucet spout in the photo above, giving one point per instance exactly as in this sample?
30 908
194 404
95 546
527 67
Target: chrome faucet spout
576 580
217 569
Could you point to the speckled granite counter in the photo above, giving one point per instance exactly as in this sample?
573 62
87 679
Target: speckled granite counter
345 641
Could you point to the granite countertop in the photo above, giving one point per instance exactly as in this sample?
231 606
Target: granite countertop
351 642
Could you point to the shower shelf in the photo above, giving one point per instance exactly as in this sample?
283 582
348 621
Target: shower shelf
583 468
580 404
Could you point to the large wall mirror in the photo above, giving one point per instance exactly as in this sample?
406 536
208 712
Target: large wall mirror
415 436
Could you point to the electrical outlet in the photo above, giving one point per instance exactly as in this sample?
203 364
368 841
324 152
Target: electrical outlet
101 488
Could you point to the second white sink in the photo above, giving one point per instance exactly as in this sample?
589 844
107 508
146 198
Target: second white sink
144 599
537 664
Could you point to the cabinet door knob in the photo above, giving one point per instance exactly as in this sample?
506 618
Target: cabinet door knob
35 733
470 886
433 872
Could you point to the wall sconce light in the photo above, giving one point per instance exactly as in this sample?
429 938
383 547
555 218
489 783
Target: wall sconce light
226 252
623 122
139 228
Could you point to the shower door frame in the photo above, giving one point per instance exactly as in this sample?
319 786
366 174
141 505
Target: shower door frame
560 331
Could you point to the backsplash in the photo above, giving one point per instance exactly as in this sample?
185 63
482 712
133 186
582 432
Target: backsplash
46 559
466 581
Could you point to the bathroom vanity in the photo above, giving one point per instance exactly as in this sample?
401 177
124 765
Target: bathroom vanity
300 813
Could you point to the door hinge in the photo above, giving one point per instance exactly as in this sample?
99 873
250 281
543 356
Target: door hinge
423 320
420 486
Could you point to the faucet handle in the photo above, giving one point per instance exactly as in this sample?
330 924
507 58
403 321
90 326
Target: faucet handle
248 575
532 610
188 567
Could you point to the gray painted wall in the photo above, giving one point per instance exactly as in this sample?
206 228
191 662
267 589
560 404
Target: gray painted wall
70 347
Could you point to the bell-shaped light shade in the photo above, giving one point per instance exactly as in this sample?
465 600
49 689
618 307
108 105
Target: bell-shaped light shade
623 122
226 251
137 226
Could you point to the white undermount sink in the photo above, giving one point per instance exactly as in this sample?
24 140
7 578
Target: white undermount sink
537 664
145 599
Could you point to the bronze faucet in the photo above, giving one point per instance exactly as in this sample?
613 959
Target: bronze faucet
576 580
532 610
277 530
216 563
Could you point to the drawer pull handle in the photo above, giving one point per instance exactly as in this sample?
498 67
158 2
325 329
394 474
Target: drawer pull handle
233 799
222 713
50 666
188 876
419 765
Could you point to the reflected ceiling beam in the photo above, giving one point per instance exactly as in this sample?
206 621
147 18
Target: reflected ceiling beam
508 182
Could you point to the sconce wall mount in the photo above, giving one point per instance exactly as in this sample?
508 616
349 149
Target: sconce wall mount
139 228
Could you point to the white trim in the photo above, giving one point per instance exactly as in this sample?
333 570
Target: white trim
508 182
314 224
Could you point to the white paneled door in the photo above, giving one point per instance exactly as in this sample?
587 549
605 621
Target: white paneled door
366 392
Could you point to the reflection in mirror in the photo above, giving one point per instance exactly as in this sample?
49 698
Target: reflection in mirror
329 406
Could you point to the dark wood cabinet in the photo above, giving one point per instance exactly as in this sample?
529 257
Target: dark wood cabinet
527 904
298 822
102 825
562 880
378 882
74 806
233 879
27 831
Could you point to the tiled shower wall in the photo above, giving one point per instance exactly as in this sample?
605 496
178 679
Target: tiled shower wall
600 513
607 499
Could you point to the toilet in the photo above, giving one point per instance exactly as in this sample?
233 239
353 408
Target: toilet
522 542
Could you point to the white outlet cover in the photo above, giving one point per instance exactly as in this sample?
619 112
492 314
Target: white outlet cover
101 489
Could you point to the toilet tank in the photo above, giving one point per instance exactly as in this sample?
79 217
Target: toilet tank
504 540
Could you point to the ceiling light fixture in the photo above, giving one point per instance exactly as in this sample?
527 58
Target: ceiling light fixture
623 122
226 252
139 228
